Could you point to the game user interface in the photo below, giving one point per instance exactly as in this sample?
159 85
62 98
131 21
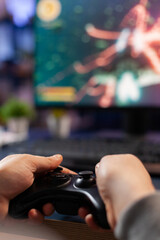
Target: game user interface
100 53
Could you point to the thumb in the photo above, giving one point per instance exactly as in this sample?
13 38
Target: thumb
41 164
4 208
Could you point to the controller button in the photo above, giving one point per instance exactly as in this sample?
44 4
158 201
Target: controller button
62 175
56 180
60 179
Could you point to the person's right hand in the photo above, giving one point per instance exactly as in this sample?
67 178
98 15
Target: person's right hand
121 181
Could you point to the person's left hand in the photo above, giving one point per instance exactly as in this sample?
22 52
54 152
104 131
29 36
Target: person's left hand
17 173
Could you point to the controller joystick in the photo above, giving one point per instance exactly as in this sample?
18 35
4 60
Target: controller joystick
85 179
67 192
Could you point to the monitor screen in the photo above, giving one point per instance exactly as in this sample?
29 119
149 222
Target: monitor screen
97 53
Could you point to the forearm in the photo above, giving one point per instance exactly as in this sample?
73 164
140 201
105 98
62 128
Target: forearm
141 221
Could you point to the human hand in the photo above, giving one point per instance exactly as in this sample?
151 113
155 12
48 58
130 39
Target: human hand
17 173
121 180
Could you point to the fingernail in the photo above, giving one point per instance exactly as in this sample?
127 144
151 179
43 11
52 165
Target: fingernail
97 165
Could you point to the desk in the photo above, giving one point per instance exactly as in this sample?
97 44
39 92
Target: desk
53 230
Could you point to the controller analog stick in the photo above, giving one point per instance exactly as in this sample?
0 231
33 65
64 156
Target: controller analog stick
86 179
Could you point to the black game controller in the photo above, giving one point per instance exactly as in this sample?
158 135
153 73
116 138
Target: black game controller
67 192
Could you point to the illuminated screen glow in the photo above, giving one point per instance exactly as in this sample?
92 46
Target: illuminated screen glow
21 10
97 53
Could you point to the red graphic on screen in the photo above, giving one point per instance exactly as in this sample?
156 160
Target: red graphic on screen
142 38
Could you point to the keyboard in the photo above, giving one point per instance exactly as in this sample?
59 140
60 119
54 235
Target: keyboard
83 153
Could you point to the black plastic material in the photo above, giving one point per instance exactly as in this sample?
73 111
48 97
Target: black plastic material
61 190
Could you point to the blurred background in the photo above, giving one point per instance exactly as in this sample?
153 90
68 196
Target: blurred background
17 46
113 129
16 49
17 61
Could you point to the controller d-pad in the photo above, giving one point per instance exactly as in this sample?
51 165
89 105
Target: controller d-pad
60 179
57 179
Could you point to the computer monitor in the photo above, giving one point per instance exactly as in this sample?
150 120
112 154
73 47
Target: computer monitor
97 53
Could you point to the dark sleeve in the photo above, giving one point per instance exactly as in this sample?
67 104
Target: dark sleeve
141 221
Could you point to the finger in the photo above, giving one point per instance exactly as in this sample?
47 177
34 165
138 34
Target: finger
110 213
83 212
35 216
97 168
92 224
68 171
48 209
41 164
88 217
108 204
4 208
